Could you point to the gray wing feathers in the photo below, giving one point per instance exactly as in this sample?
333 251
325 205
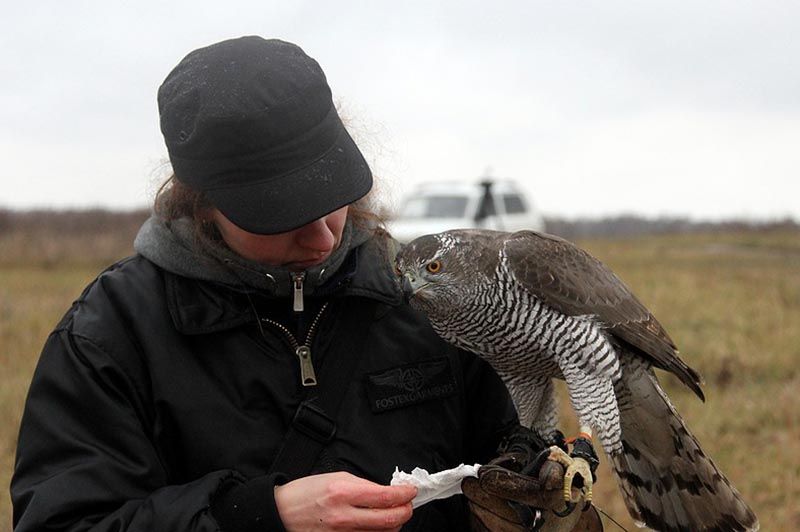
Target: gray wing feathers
668 481
573 282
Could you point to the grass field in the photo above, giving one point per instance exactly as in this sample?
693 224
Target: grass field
731 301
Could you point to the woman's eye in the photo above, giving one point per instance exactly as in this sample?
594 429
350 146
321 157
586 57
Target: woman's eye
434 267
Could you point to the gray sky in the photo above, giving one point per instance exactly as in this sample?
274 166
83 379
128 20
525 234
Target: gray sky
595 108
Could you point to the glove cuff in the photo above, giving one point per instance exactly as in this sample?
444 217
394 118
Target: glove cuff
582 448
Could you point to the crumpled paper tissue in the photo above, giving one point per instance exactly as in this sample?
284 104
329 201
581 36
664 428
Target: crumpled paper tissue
433 486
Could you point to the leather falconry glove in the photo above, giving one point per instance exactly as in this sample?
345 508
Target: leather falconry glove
522 490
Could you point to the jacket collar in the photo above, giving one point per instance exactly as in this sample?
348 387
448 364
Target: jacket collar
200 307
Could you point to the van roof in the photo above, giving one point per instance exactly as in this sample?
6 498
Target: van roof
464 188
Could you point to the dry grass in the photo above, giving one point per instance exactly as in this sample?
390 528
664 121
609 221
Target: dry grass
730 301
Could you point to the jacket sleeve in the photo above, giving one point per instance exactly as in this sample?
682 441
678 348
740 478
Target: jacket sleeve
85 460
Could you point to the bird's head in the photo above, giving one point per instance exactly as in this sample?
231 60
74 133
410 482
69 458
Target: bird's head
437 270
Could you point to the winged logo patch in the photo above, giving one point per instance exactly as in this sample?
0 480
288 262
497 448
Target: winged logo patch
410 384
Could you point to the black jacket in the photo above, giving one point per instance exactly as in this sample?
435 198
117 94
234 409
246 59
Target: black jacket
158 403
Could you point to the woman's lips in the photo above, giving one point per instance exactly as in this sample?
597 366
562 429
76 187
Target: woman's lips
308 263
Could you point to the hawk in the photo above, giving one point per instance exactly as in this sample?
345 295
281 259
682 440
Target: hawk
537 307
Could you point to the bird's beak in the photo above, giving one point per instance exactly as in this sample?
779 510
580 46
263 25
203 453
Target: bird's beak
407 284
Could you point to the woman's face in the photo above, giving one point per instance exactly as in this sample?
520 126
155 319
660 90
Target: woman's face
296 250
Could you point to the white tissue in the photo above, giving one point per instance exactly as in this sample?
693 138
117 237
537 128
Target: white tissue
433 486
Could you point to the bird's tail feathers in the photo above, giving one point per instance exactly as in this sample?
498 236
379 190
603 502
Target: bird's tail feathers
668 482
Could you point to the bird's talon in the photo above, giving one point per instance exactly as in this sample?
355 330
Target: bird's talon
570 506
572 467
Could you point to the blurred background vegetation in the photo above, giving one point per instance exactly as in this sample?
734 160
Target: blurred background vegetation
728 293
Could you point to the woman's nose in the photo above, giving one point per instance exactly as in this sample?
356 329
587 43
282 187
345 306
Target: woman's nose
316 235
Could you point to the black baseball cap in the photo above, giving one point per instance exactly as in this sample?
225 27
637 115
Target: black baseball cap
250 122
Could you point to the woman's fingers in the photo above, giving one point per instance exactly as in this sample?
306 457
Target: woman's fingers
366 494
381 518
366 518
341 501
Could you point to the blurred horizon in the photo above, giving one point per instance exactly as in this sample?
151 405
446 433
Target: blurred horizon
390 211
121 222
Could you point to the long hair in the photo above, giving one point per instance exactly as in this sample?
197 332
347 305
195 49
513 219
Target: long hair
175 200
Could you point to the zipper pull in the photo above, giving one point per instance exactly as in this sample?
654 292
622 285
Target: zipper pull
297 280
307 375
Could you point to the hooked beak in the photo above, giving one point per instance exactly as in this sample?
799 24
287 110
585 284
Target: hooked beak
407 286
411 285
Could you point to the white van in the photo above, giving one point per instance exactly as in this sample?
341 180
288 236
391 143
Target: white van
489 204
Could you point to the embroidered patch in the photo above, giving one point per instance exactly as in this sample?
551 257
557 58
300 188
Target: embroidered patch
410 384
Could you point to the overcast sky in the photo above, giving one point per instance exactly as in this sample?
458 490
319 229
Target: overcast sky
681 108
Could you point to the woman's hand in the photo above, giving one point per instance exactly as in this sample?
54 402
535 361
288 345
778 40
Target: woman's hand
341 501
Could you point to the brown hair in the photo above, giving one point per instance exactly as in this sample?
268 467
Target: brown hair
175 200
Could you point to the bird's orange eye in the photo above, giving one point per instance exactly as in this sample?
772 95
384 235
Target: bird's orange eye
434 266
397 271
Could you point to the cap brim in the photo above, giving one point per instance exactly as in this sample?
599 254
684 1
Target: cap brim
339 177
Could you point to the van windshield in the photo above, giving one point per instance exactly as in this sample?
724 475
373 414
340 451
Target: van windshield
435 207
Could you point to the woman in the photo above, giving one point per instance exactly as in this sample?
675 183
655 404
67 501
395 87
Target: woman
254 366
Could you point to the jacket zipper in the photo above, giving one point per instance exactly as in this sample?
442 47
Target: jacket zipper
307 375
297 283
